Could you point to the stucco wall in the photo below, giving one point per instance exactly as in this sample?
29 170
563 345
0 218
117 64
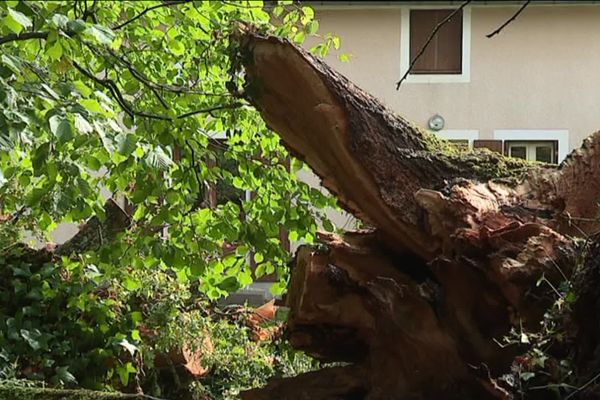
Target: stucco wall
541 72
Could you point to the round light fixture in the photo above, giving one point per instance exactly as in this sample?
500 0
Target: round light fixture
436 122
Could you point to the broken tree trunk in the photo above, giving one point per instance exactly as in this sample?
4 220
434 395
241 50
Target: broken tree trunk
458 240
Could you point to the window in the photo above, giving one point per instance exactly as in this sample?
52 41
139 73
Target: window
443 55
461 138
447 57
545 151
548 145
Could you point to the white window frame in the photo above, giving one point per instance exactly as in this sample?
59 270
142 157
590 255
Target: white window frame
537 135
459 134
463 77
531 148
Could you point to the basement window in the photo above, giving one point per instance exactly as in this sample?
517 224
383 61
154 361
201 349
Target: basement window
543 151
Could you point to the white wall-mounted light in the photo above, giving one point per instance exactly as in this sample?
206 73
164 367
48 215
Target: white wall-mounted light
436 123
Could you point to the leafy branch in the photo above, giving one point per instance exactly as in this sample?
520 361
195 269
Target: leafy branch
13 37
129 110
148 9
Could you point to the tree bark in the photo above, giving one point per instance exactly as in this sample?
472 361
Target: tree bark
96 231
458 240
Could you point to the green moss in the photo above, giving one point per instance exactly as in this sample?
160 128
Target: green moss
482 164
23 393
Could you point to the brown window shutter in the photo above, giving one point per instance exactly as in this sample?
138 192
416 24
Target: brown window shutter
493 145
444 53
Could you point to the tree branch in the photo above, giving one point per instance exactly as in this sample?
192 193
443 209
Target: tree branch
429 39
13 37
148 9
112 87
210 109
511 19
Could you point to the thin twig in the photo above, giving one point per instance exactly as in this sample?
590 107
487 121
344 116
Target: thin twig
148 9
429 39
511 19
579 389
210 109
114 90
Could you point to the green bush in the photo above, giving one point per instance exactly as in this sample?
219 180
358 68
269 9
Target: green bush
67 324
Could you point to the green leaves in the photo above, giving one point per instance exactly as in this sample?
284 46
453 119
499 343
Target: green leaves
111 124
61 128
55 51
101 33
123 371
176 47
16 21
32 338
157 158
60 21
126 143
91 104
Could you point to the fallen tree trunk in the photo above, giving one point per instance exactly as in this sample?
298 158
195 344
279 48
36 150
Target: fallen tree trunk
459 239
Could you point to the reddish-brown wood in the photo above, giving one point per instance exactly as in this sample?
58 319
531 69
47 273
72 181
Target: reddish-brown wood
458 240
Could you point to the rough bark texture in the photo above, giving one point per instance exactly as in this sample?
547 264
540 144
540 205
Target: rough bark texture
459 240
96 232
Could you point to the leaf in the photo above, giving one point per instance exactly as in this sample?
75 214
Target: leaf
101 33
312 27
328 226
32 338
61 128
336 42
124 371
344 57
83 89
176 47
55 51
126 143
65 376
82 124
524 338
131 284
91 105
12 62
157 158
525 376
16 21
60 20
131 348
76 26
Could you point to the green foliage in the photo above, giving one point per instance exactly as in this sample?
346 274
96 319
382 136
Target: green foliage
544 368
61 324
125 96
19 392
67 325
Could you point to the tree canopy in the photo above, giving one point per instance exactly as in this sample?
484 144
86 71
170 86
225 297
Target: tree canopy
127 98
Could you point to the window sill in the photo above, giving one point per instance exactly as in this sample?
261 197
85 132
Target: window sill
438 78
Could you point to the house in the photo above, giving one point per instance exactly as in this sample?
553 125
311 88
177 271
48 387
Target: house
530 91
535 82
